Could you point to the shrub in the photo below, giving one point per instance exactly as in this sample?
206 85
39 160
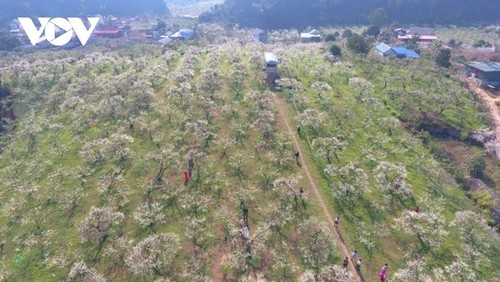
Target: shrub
336 51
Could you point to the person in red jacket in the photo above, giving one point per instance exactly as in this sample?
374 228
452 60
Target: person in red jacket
186 177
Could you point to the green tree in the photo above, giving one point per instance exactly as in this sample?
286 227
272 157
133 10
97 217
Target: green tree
477 165
160 25
412 43
347 33
336 51
330 37
443 58
8 41
358 44
378 16
373 30
482 43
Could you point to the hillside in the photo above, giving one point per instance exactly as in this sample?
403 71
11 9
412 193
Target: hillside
92 170
273 14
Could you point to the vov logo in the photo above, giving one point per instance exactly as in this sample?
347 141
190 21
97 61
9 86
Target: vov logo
68 25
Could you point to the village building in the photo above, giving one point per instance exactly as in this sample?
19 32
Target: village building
311 36
398 52
422 34
165 40
108 31
384 49
258 35
153 34
183 34
403 52
271 67
488 73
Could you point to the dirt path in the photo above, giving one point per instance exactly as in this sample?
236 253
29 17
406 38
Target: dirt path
491 101
339 241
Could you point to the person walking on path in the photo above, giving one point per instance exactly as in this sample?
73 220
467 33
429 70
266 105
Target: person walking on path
336 222
190 163
382 275
346 262
186 177
297 160
245 214
358 265
354 255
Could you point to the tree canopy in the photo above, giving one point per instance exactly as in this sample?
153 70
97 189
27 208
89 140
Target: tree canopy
68 8
358 44
443 58
378 16
302 13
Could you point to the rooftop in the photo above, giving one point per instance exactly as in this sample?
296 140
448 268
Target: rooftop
486 67
382 47
403 51
310 34
421 31
271 58
421 37
183 33
256 31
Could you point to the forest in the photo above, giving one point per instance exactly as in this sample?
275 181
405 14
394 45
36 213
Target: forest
11 9
300 14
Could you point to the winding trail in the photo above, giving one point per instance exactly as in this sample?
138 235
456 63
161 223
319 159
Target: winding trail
491 101
281 106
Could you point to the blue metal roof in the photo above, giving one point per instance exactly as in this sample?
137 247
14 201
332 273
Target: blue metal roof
186 32
404 52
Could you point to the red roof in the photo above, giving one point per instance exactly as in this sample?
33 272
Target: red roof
108 30
101 32
421 37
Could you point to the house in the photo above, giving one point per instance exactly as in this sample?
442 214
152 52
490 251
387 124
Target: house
190 17
423 34
108 31
312 36
400 32
384 49
152 34
183 34
271 67
112 19
165 41
488 73
403 52
258 35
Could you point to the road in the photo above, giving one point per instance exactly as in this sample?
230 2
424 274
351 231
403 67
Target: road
340 243
493 103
